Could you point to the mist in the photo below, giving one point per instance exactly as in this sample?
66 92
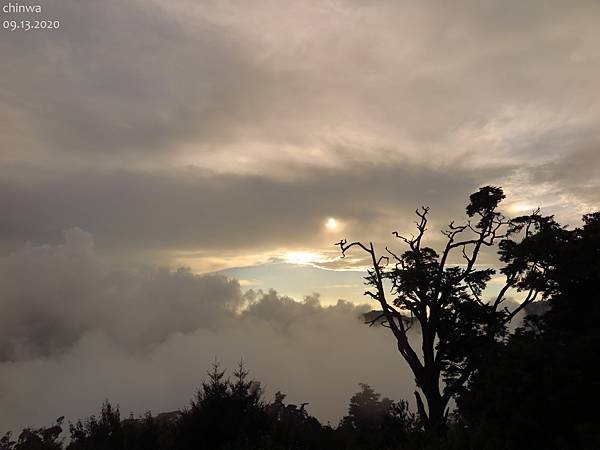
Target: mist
76 331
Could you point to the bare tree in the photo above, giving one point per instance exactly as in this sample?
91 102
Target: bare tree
457 326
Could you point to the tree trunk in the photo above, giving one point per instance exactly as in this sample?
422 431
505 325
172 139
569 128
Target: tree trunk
435 419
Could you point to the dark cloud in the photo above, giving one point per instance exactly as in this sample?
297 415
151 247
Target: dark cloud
291 113
126 78
123 77
193 209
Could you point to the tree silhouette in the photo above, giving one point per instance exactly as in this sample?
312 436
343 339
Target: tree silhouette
457 326
373 422
103 432
224 414
367 410
550 365
35 439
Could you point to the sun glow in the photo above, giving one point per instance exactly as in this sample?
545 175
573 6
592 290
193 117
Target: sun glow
331 224
520 207
302 257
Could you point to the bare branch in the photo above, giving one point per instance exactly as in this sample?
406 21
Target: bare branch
381 258
474 293
500 297
414 242
376 319
531 297
395 256
344 246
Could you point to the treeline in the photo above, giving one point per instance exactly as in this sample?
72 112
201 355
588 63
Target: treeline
231 414
535 389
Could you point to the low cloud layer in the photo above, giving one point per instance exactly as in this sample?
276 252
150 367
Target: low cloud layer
75 331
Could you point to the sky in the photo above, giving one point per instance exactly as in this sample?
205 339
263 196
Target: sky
174 174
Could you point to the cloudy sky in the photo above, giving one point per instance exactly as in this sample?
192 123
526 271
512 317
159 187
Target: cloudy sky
240 140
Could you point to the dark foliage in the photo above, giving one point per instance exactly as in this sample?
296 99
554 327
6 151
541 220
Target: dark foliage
229 414
541 391
376 423
35 439
224 414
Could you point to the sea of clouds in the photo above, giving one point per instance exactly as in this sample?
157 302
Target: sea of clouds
75 331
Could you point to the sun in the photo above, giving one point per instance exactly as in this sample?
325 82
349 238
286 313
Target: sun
331 224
